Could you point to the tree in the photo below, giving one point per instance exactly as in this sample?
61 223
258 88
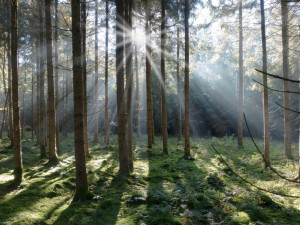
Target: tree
241 85
186 81
122 137
96 102
50 81
81 176
265 89
148 78
18 170
178 80
163 76
106 129
285 69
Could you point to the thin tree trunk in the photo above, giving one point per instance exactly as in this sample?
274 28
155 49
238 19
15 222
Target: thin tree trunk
32 104
96 102
37 108
163 76
42 84
265 89
81 175
50 82
137 94
5 89
285 68
106 130
148 77
186 81
122 138
240 106
84 74
129 78
178 87
18 169
56 77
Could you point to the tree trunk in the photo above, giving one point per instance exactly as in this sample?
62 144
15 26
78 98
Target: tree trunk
96 102
186 81
137 94
106 131
50 82
178 87
84 74
81 176
265 89
129 77
42 83
285 68
37 108
56 76
148 77
122 139
163 76
32 105
240 106
18 169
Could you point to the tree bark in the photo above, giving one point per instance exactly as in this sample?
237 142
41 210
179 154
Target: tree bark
106 131
81 176
96 102
137 94
122 137
178 88
148 77
285 69
163 76
42 83
50 82
37 108
186 81
265 89
56 77
18 168
84 74
241 91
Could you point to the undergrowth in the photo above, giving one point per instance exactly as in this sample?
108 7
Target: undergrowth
163 189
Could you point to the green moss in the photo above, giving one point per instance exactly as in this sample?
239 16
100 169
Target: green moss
83 194
18 175
240 218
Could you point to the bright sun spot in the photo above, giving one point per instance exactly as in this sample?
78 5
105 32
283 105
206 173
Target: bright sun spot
139 36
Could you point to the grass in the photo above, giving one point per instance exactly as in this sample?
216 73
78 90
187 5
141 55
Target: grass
162 190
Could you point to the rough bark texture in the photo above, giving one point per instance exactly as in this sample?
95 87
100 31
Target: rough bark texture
84 75
96 107
81 176
56 76
137 93
240 105
37 93
186 82
129 78
50 82
122 139
42 83
163 76
265 89
148 77
106 129
178 87
18 169
285 72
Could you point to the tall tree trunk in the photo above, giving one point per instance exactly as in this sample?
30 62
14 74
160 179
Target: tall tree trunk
37 104
240 106
265 89
106 130
5 89
56 76
163 76
178 88
9 74
129 78
81 176
96 102
18 169
148 77
84 74
50 82
285 69
186 81
42 82
122 139
137 94
32 105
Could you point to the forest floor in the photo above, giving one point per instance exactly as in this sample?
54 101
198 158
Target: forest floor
164 189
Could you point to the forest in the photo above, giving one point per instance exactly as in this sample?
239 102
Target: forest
149 112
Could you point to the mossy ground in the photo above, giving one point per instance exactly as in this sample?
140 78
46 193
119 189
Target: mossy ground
164 189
